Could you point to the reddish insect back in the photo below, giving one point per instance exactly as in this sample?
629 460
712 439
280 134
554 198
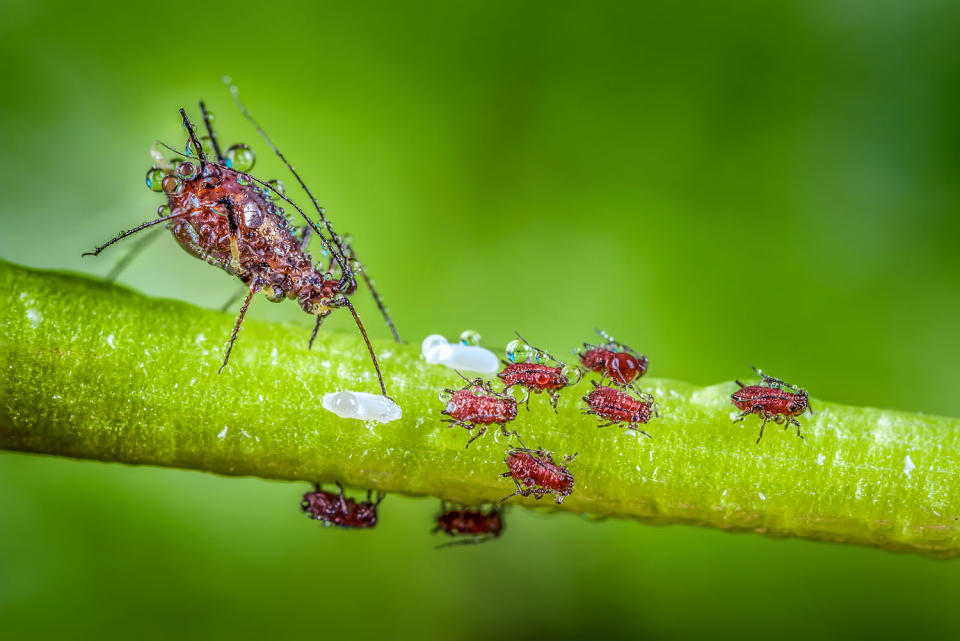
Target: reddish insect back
467 522
338 510
535 472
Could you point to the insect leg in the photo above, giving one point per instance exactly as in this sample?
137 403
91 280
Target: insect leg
357 266
237 295
762 425
130 232
132 253
346 303
479 433
236 327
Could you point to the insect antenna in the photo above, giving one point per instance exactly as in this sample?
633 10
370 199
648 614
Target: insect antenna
537 349
130 232
132 253
263 134
208 122
771 379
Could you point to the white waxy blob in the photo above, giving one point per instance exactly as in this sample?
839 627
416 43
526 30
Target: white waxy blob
471 358
362 406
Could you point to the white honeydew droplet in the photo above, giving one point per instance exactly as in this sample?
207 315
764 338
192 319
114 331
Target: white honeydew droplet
362 406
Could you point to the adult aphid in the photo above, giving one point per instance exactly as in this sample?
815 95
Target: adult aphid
527 368
616 361
773 400
618 407
473 525
229 219
338 510
476 403
535 472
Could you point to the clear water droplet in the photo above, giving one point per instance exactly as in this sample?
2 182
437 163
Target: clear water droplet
541 357
518 352
252 217
477 390
572 373
443 396
278 186
206 143
154 178
243 180
171 184
212 176
519 394
163 210
187 170
240 157
470 337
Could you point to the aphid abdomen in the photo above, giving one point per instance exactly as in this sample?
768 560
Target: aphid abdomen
534 376
338 510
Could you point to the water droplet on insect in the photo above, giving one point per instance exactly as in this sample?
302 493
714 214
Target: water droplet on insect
243 180
211 176
541 357
163 210
518 352
470 337
572 373
443 396
240 157
171 184
278 186
252 217
154 178
187 170
476 390
519 394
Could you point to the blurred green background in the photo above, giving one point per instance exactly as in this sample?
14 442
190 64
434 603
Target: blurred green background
718 184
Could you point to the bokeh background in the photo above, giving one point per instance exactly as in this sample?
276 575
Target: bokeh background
718 184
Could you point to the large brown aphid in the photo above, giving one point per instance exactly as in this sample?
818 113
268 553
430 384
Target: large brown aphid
473 524
527 367
229 219
338 510
772 400
619 407
616 361
477 404
535 472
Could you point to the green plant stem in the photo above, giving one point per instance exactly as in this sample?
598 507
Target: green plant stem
92 370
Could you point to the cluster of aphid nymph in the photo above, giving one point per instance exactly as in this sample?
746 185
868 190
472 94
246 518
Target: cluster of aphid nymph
218 212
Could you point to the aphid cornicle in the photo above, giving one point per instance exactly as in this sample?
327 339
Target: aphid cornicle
338 510
477 403
475 525
773 400
619 407
616 361
536 473
230 219
536 376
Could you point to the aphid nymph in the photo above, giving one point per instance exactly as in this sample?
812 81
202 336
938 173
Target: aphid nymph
772 400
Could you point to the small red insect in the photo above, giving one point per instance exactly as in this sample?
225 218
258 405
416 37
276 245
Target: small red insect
536 376
616 361
535 472
771 400
473 524
477 404
338 510
619 407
